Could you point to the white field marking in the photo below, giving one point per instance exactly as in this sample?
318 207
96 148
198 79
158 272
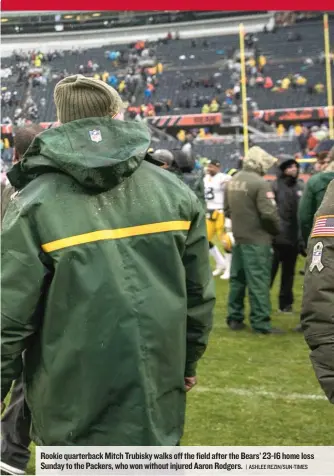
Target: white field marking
244 392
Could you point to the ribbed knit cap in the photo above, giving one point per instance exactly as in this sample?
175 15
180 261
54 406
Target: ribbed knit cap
77 97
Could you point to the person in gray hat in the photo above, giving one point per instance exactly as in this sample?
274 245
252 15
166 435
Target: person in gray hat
182 165
165 157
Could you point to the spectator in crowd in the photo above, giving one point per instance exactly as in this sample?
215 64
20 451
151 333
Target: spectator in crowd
312 140
302 139
181 135
288 243
148 94
280 130
286 82
319 88
260 80
298 130
214 106
15 423
143 259
262 61
249 203
316 187
322 133
113 81
252 82
168 105
268 83
7 141
236 91
317 307
299 80
205 109
251 62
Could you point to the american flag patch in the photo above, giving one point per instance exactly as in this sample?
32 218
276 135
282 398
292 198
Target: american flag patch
323 226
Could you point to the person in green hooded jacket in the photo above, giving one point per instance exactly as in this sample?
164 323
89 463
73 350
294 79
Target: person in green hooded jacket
106 281
249 203
313 194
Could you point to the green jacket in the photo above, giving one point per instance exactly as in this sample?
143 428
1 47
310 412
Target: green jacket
6 192
311 200
249 202
106 286
318 301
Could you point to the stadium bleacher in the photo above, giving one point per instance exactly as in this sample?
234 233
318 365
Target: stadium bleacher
182 60
205 61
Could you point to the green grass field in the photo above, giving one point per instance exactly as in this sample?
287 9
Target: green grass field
254 389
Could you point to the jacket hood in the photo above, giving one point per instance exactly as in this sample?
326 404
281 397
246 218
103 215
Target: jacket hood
258 160
99 153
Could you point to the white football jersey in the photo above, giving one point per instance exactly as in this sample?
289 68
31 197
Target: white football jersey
214 190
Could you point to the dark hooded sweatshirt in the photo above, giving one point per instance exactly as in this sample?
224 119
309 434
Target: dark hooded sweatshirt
288 191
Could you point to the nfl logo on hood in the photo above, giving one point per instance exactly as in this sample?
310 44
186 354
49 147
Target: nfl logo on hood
95 136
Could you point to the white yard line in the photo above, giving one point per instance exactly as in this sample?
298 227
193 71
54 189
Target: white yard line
244 392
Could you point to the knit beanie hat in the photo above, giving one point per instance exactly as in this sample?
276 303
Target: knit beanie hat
285 161
77 97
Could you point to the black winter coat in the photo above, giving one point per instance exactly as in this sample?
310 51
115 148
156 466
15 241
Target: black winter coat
288 191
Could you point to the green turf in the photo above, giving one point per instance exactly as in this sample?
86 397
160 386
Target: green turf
218 415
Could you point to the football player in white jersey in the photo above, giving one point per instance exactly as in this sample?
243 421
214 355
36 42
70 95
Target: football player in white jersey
214 184
228 238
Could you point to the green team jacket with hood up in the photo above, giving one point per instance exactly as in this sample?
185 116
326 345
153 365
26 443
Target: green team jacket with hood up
106 286
249 202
